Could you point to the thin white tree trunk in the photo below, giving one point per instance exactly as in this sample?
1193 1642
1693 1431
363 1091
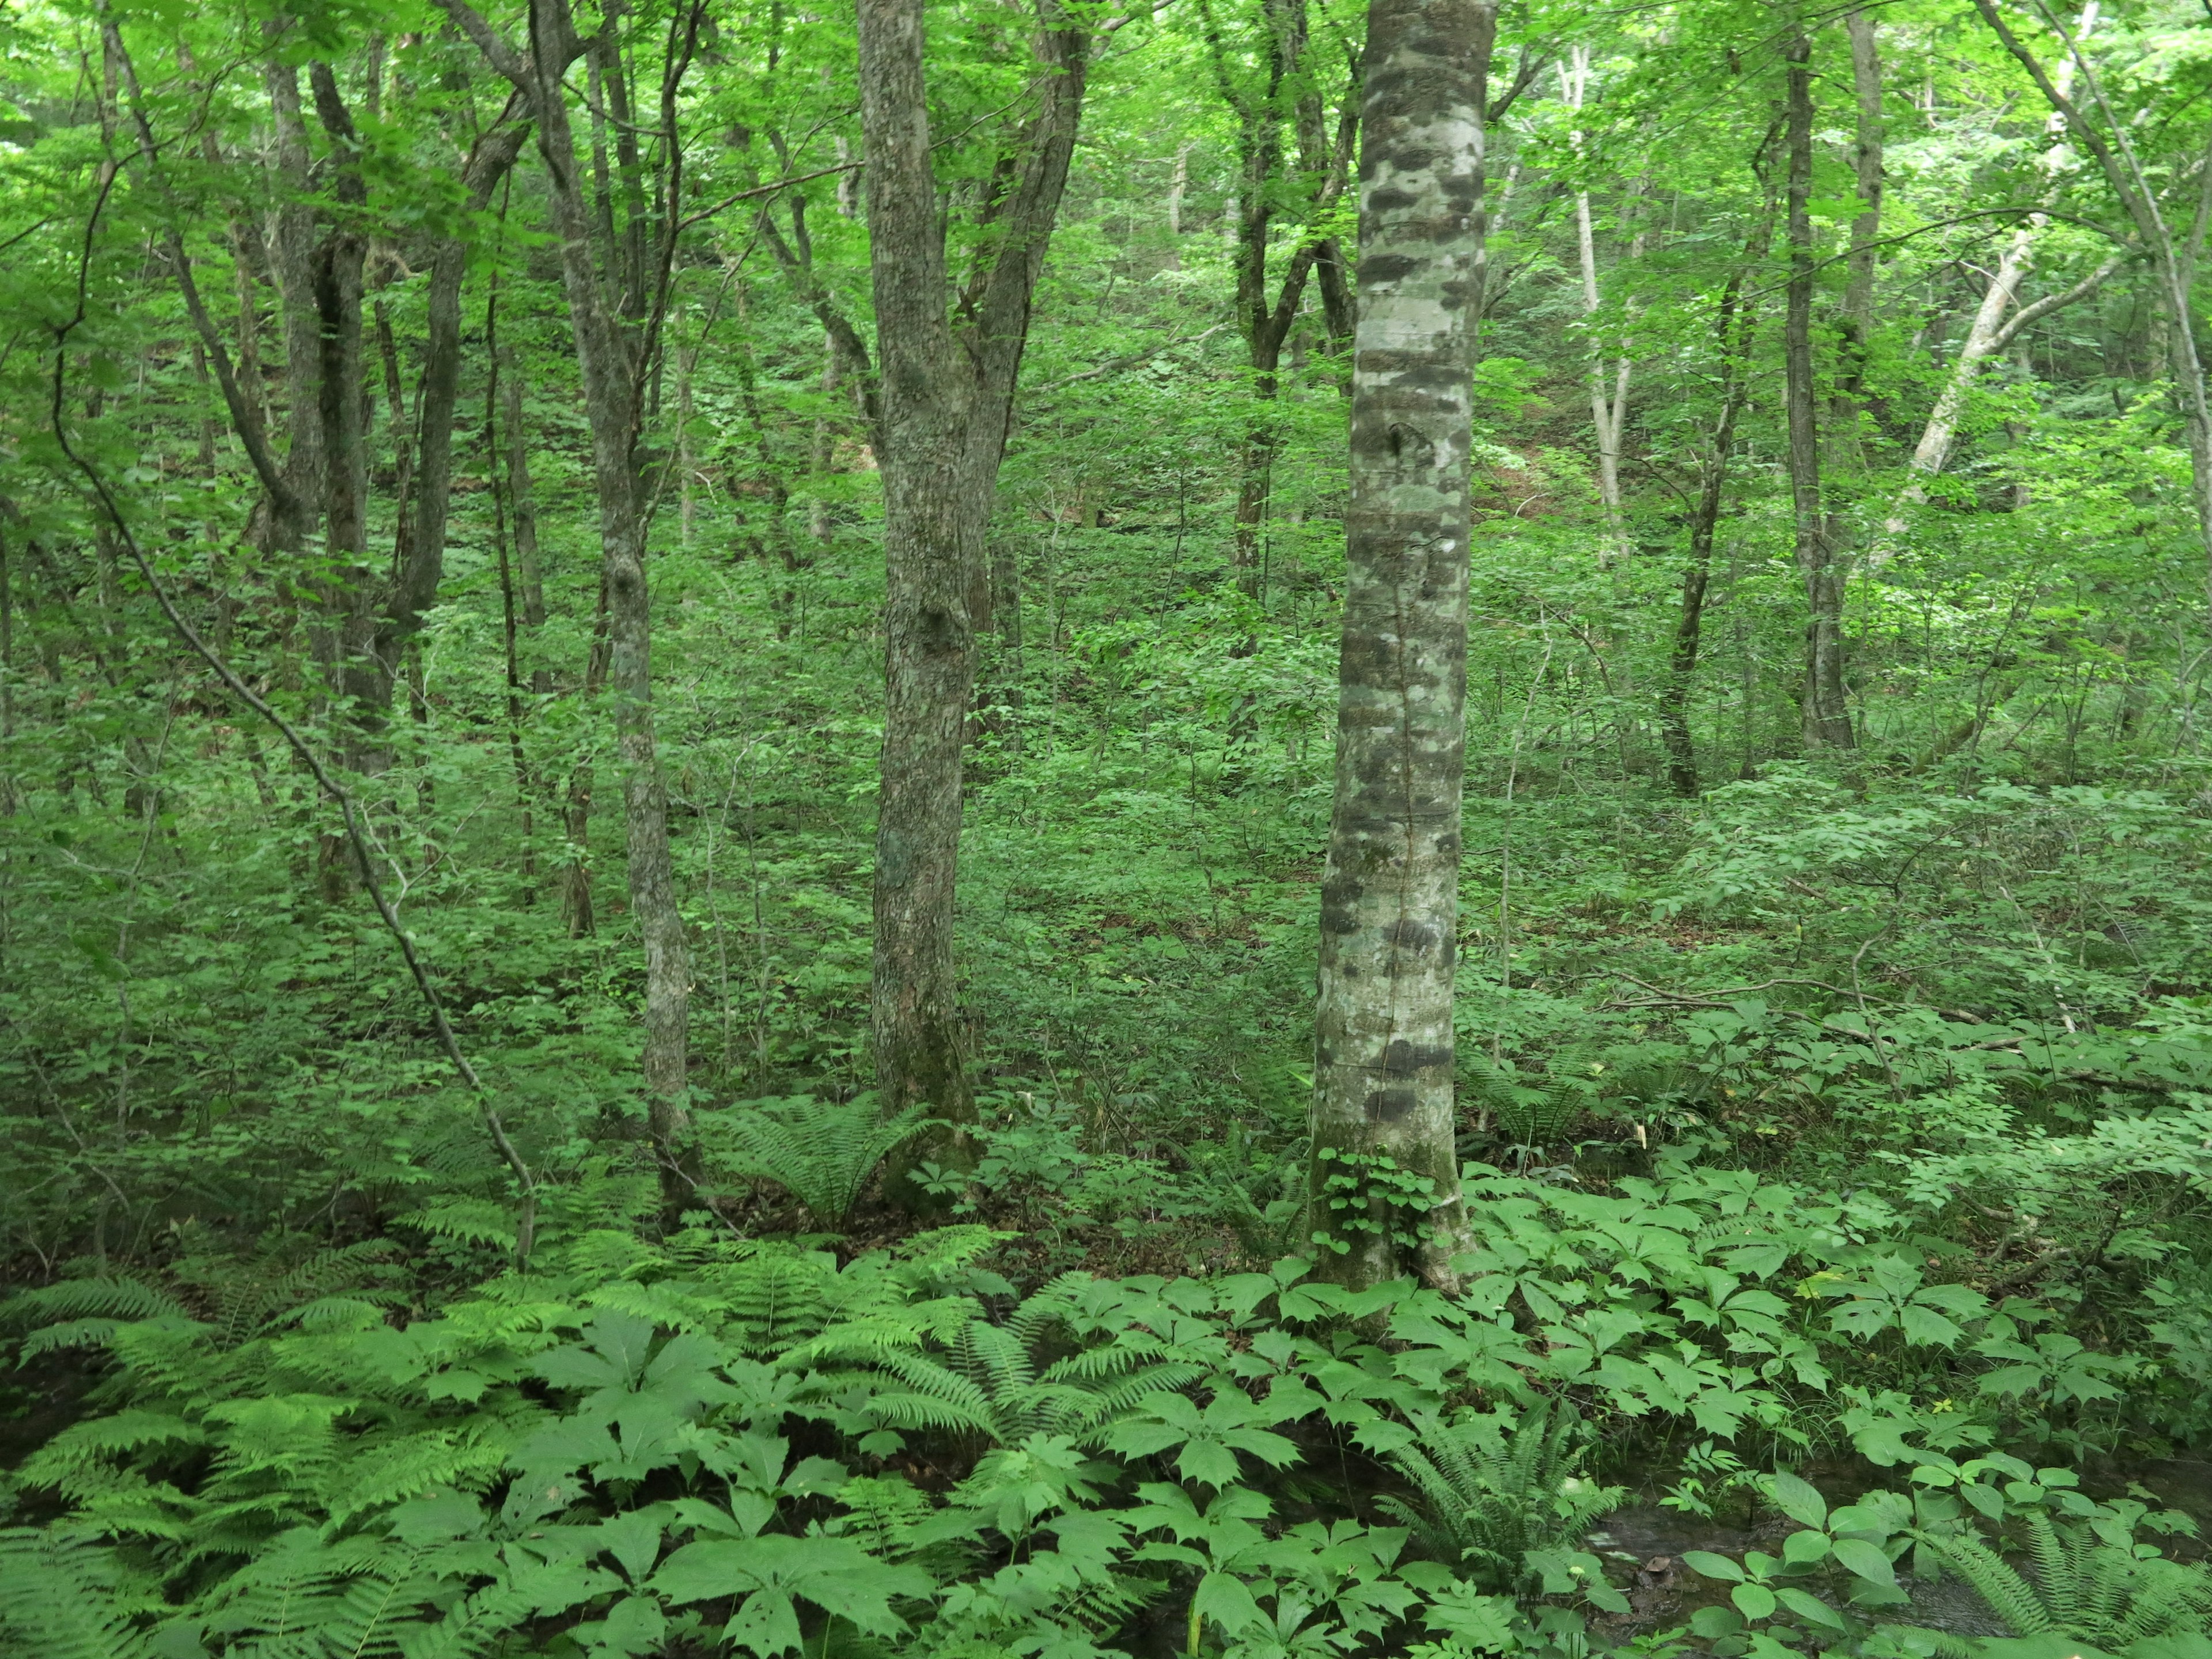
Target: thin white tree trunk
1986 336
1608 404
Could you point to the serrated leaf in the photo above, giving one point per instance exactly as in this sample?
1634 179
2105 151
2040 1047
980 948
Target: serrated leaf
1926 1327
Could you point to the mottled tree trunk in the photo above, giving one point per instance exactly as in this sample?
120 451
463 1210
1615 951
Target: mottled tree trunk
945 403
1383 1048
928 641
1826 711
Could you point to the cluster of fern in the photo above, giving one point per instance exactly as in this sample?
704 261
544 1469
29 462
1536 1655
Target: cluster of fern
716 1444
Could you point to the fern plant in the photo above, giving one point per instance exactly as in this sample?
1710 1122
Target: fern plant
993 1383
820 1151
1491 1488
2092 1583
64 1598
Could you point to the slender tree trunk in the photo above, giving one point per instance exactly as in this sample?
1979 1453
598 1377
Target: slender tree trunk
524 786
1826 713
1732 334
1608 384
1989 333
352 598
522 503
1383 1045
614 360
421 569
945 404
2107 140
1867 169
294 251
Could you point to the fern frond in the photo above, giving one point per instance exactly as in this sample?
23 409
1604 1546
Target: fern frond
62 1598
2007 1594
822 1153
126 1299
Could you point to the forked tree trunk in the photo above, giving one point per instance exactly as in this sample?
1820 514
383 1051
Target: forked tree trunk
1827 714
1383 1184
613 359
945 404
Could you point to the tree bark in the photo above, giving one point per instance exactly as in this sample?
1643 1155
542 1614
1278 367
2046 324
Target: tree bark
1265 319
615 360
1608 391
1990 334
945 401
349 595
294 250
422 568
1867 168
1383 1041
522 504
1732 329
1826 711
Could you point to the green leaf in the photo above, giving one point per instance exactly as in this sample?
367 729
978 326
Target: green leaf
1208 1460
1926 1327
1223 1599
1472 1620
1868 1561
1809 1607
1806 1548
766 1623
1714 1622
1707 1565
1753 1600
1798 1499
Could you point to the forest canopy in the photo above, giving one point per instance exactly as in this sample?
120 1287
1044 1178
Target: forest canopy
1037 829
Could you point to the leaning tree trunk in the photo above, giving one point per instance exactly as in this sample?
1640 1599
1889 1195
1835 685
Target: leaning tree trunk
1827 714
1383 1183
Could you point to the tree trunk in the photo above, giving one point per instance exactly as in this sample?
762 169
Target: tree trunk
415 586
350 598
945 404
522 503
1732 329
1866 169
1609 392
1989 333
614 360
1827 714
2172 262
293 249
1383 1184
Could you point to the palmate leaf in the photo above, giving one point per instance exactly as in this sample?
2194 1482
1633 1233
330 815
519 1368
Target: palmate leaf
773 1571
